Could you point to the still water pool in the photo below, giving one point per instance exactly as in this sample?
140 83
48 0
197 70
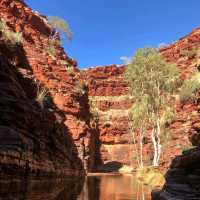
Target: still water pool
93 187
113 187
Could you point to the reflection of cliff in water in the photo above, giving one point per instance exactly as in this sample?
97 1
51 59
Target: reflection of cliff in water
114 187
108 187
91 189
41 189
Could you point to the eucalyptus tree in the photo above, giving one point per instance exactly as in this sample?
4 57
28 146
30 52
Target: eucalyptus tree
61 25
152 81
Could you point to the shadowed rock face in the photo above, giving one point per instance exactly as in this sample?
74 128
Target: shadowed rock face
183 178
52 136
58 135
32 140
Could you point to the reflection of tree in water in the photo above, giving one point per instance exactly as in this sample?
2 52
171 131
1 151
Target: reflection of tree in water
143 192
114 187
91 189
140 192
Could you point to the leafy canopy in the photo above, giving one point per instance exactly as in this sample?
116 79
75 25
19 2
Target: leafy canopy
190 87
61 25
151 81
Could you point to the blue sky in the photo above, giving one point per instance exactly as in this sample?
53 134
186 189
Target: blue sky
106 30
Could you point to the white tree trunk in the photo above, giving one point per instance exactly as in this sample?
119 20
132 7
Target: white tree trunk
159 146
153 138
141 147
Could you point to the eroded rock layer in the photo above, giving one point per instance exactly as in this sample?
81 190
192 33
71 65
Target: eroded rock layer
44 114
108 93
109 100
183 178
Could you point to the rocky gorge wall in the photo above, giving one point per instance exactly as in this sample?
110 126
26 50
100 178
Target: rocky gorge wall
82 122
44 121
108 93
182 179
109 99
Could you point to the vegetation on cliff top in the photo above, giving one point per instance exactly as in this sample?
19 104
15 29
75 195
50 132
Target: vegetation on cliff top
61 25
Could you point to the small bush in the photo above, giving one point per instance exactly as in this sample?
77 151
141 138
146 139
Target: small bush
189 88
13 38
150 176
94 112
68 66
80 87
168 116
166 137
41 95
64 62
3 25
51 50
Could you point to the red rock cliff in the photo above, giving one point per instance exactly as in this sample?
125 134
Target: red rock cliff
109 93
53 135
182 179
59 133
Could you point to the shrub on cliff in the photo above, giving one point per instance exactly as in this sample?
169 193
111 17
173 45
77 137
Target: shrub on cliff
9 36
190 87
41 96
152 81
61 25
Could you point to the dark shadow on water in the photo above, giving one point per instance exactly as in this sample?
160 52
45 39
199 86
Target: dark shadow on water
35 189
113 166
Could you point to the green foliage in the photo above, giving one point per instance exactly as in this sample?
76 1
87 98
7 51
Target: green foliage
189 87
139 113
166 137
41 95
67 65
61 25
151 80
150 176
51 50
3 25
168 116
80 87
13 38
64 62
94 112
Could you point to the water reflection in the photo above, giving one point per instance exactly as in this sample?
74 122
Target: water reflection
107 187
114 187
40 189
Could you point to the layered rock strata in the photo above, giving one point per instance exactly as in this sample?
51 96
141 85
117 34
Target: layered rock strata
183 178
44 111
108 93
